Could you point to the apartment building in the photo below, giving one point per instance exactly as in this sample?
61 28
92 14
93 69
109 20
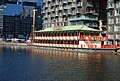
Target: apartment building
113 17
71 12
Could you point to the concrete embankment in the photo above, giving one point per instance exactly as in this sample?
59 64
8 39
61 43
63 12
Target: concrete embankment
118 51
12 44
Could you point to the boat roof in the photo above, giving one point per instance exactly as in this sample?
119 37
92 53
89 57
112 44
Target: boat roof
69 28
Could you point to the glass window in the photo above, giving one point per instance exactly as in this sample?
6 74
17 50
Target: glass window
117 12
110 21
110 36
117 4
117 36
110 29
117 20
117 28
110 13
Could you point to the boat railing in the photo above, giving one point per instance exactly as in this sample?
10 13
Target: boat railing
109 46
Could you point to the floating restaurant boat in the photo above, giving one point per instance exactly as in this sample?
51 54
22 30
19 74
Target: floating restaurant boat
70 37
78 38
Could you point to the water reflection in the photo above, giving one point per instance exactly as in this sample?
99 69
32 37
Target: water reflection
81 66
28 64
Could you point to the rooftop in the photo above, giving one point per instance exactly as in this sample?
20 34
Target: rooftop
70 28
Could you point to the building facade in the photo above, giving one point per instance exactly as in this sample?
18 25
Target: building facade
16 26
113 24
71 12
8 1
16 19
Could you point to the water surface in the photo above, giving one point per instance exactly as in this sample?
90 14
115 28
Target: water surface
27 64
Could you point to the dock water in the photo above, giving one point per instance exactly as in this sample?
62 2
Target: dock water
82 50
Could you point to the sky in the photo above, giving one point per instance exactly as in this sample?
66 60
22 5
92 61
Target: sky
10 11
39 2
17 8
27 0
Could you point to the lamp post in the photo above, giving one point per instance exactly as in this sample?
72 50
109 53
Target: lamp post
34 20
34 24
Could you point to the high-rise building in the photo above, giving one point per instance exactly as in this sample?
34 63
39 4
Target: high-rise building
16 19
72 12
8 1
113 24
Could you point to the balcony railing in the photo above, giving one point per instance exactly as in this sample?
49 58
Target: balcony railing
65 1
69 0
80 4
60 8
49 0
73 5
82 18
89 4
44 1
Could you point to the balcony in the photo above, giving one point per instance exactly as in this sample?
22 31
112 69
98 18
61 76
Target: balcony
60 8
43 12
110 14
53 4
65 7
117 36
89 4
53 15
111 6
44 1
45 6
104 32
79 4
64 20
49 0
57 21
52 9
60 14
60 20
56 14
65 2
82 18
118 5
49 10
56 9
64 14
110 37
69 13
46 16
73 6
89 11
57 3
93 25
60 3
78 11
110 1
69 1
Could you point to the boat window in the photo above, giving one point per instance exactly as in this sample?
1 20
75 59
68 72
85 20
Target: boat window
75 33
61 33
86 33
76 42
57 34
65 34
